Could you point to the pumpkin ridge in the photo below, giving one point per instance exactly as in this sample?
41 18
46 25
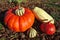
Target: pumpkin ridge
25 20
16 17
20 25
9 19
11 24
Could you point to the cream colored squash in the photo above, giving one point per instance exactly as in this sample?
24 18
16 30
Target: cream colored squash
42 15
32 33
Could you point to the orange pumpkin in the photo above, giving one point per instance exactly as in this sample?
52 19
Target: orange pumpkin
19 23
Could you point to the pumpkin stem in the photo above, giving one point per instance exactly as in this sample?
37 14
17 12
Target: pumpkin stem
20 11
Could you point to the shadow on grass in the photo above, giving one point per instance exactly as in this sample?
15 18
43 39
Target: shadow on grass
2 15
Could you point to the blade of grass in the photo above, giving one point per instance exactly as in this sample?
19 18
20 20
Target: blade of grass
55 16
57 6
1 26
2 38
53 0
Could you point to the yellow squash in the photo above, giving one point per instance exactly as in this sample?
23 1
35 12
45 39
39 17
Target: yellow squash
32 33
42 15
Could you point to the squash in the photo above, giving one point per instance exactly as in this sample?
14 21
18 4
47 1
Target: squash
42 15
48 28
32 33
19 19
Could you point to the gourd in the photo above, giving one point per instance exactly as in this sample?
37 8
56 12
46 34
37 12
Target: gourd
42 15
19 19
48 28
32 33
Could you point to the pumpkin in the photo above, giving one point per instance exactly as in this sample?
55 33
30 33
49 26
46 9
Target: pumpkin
19 19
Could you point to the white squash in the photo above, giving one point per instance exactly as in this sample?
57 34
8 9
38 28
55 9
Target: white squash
42 15
32 33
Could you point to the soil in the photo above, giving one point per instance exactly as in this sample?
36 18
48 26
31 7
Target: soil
53 8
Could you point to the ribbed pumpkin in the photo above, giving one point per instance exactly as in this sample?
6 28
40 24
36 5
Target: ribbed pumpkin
19 20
